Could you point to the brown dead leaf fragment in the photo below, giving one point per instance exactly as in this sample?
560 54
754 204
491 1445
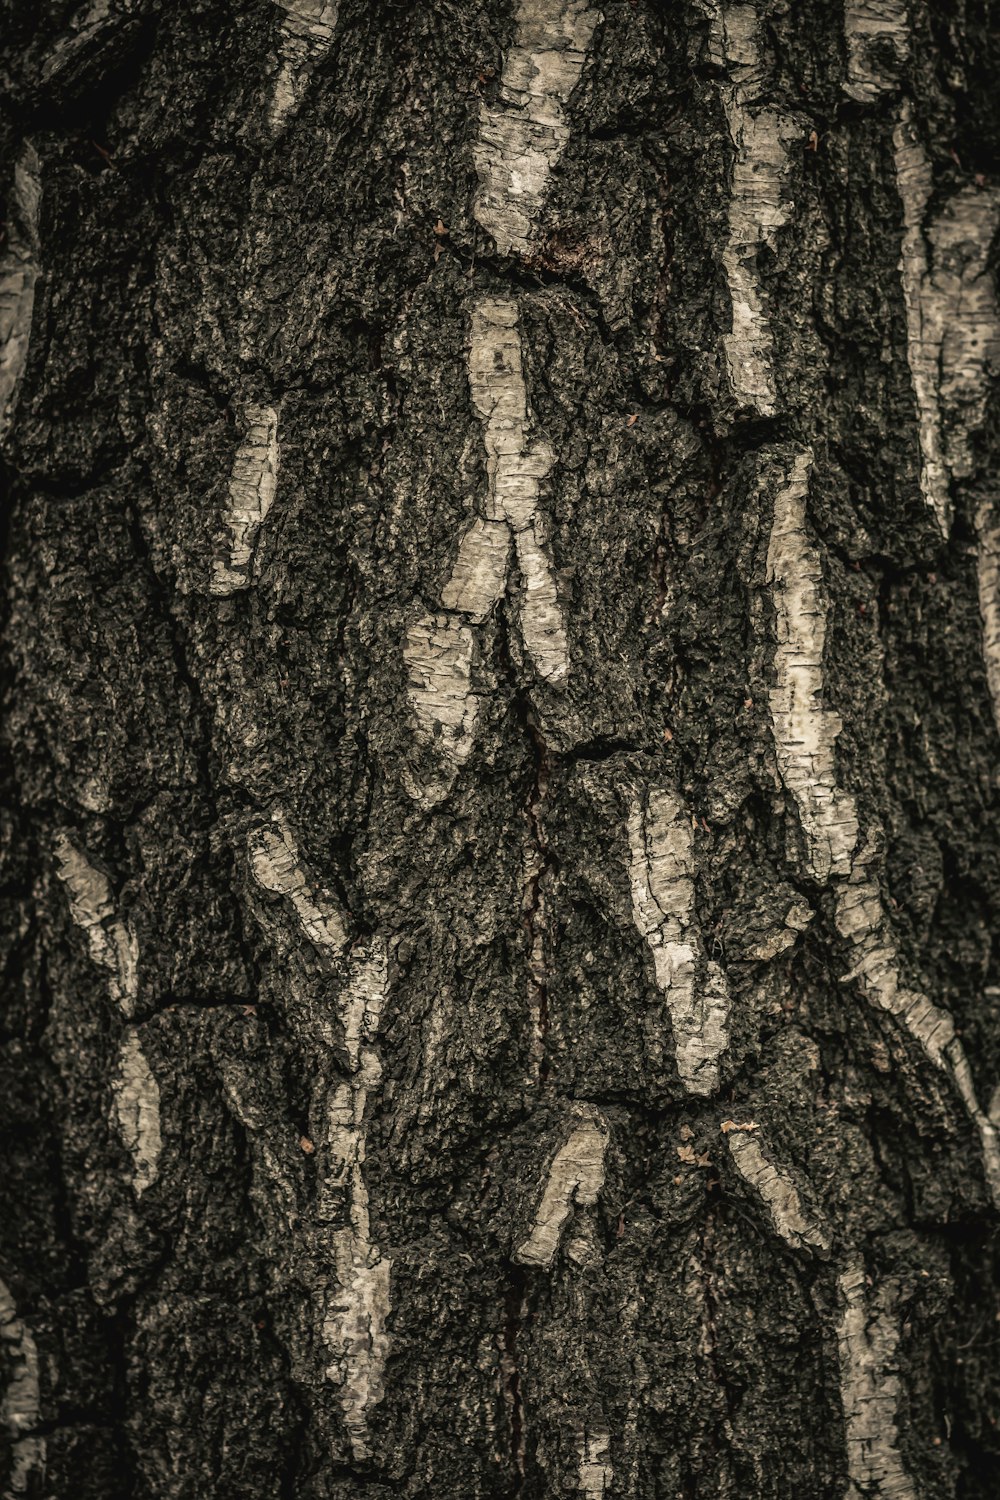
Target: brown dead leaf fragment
306 1144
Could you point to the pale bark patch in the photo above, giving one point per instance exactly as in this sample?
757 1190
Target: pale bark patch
802 1230
253 484
595 1473
988 579
516 465
353 1313
877 33
21 1399
862 920
867 1339
354 1327
661 873
18 275
479 576
440 648
522 136
439 654
137 1106
305 37
278 867
758 203
953 332
805 730
575 1177
112 942
114 948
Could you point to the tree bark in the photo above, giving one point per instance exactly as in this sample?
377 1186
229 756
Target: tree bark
502 620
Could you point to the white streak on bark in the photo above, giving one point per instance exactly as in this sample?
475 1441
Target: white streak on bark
278 867
306 34
21 1400
861 919
925 314
523 135
112 943
758 205
661 873
353 1318
779 1193
479 576
137 1105
805 732
516 464
115 949
520 139
877 33
595 1472
354 1326
964 288
439 653
988 577
867 1340
252 487
576 1176
18 275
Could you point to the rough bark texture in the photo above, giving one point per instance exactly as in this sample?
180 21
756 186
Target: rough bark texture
501 833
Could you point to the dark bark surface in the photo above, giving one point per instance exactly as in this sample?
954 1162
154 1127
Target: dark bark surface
196 265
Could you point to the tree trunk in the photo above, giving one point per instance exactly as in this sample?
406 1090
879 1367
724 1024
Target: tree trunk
502 597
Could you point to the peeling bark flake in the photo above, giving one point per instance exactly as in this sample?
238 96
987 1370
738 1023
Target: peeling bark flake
661 870
18 275
877 33
21 1399
112 943
522 136
575 1176
252 487
805 732
137 1105
306 35
758 204
867 1340
779 1193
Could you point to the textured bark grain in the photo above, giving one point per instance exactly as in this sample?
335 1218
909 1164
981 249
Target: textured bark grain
500 826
